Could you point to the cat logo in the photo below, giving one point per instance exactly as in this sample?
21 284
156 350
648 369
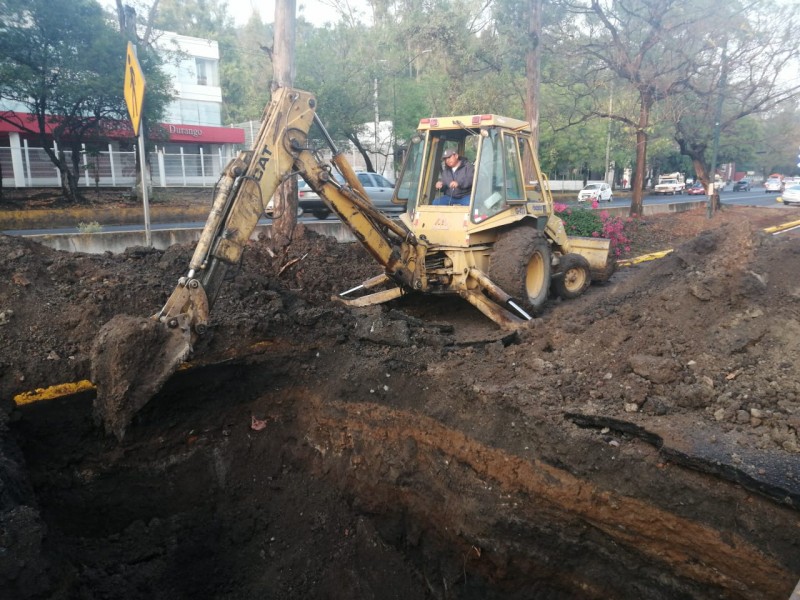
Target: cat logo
440 223
263 159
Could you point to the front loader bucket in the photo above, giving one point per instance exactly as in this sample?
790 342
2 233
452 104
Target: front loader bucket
131 358
598 252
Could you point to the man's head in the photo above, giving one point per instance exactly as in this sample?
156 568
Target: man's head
450 158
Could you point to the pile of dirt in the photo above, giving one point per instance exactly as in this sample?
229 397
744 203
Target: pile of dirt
687 361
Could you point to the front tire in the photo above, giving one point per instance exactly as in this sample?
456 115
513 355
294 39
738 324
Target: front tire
573 277
520 265
320 213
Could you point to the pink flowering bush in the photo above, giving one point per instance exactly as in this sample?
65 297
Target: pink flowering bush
590 223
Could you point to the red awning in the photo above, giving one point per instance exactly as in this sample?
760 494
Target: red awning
176 132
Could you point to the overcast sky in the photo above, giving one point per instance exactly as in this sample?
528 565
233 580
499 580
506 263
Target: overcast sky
314 11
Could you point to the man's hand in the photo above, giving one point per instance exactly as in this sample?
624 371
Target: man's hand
438 185
453 185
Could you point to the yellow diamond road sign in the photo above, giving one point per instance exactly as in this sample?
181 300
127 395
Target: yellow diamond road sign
134 88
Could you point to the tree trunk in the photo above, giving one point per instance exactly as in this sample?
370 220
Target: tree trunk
709 182
285 200
646 101
69 185
700 171
362 151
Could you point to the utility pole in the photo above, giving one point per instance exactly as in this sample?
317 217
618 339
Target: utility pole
713 192
533 76
609 172
377 123
283 76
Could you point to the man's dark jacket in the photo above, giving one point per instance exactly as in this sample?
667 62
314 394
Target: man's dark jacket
463 177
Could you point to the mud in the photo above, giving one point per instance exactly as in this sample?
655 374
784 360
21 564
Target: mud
640 441
131 358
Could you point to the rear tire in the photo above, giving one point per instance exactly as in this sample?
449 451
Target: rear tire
520 265
573 277
320 213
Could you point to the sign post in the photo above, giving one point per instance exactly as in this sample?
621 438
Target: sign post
134 98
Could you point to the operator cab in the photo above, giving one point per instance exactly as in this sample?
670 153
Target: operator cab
494 145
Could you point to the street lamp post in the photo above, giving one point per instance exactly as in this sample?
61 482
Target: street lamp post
377 123
609 173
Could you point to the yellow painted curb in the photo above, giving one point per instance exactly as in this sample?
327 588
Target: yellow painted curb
54 391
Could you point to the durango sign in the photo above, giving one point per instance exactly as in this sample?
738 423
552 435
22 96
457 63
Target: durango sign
182 130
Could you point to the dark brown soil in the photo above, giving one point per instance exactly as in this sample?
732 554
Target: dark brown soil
638 442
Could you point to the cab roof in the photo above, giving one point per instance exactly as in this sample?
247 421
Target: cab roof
469 121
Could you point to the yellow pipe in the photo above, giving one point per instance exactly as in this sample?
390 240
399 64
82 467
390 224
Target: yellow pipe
655 255
782 227
52 392
643 258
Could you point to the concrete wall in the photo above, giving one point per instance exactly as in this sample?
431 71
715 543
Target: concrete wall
117 242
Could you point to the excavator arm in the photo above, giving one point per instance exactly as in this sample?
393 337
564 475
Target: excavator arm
248 182
132 358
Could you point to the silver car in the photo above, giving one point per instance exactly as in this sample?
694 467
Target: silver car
379 191
773 184
791 195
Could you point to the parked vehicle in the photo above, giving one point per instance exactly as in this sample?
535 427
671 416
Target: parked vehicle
743 185
791 195
774 184
378 188
596 191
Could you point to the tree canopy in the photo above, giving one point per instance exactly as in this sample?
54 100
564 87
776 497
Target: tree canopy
637 82
69 81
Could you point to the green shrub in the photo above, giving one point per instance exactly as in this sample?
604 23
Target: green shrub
92 227
581 221
593 223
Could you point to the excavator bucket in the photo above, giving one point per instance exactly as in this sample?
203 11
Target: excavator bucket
131 358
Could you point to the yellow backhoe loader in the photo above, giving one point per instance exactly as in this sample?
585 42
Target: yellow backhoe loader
503 253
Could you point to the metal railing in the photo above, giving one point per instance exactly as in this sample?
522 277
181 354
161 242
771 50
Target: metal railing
31 167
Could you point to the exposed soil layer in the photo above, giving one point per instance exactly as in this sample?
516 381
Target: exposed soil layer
638 442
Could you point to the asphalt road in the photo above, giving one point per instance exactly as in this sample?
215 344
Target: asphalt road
751 198
756 197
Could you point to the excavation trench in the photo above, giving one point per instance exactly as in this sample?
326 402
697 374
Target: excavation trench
641 441
235 481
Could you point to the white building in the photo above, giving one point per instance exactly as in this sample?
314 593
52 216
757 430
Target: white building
197 146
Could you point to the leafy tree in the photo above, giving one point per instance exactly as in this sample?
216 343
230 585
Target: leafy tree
198 18
64 64
648 47
743 74
776 138
246 71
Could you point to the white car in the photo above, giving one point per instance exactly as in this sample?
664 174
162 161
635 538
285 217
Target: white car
791 195
773 184
596 191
